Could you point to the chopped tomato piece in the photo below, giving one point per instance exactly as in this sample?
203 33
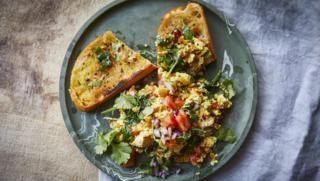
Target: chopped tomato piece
176 34
183 121
179 103
169 121
168 102
195 156
171 144
215 105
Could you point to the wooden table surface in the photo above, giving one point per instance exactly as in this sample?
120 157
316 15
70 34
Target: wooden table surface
34 36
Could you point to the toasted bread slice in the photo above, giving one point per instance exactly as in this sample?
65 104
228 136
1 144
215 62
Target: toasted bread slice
103 69
186 30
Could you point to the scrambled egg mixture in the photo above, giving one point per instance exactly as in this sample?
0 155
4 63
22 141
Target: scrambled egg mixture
183 51
174 119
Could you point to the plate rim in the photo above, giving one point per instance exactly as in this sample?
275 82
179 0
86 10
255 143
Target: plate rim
63 90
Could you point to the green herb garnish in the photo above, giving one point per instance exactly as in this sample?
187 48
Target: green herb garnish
146 52
108 110
104 58
163 41
104 141
172 62
225 135
227 87
187 33
95 83
125 101
121 152
191 112
201 132
185 136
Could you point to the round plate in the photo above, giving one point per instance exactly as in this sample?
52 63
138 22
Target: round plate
136 22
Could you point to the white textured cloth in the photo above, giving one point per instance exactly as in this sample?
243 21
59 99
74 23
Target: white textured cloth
284 142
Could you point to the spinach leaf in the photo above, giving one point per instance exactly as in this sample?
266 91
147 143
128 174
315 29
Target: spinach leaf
172 62
146 52
192 142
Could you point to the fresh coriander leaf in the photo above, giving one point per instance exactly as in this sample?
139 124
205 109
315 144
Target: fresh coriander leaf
146 112
99 149
104 141
101 144
108 110
225 135
125 101
229 136
109 137
121 152
187 33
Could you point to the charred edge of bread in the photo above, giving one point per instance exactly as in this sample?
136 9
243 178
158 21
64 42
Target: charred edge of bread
122 85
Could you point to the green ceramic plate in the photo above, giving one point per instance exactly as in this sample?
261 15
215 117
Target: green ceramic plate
136 22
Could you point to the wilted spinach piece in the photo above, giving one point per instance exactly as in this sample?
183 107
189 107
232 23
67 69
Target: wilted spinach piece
163 41
146 52
172 62
201 132
192 142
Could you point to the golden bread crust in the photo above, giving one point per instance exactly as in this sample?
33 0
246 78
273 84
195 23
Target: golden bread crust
91 86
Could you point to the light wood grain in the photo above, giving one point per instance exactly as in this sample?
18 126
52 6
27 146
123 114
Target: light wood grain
34 36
